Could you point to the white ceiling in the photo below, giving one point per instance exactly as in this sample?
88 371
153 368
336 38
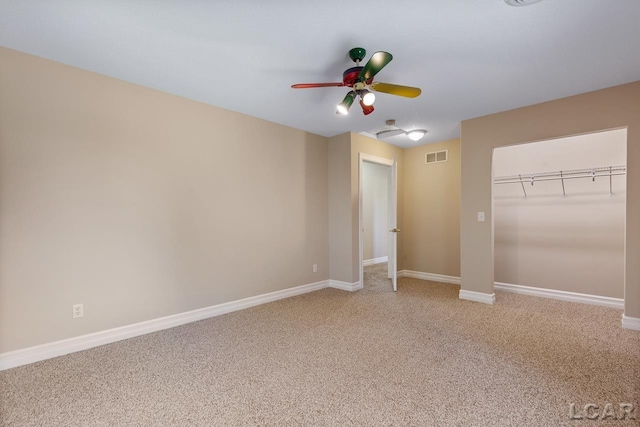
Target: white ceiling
470 57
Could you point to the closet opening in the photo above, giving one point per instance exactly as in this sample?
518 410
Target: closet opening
559 211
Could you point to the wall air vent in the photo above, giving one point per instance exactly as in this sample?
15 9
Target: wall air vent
436 157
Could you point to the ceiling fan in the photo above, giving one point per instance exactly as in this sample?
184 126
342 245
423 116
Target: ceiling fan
390 130
360 80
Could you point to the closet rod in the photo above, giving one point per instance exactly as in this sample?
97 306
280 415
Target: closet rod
592 173
527 179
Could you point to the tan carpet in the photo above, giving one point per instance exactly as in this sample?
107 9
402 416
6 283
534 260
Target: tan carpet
419 356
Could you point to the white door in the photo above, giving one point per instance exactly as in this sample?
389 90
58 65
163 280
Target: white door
393 226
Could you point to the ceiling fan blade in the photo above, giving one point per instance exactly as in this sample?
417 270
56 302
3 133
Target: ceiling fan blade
376 63
389 133
311 85
406 91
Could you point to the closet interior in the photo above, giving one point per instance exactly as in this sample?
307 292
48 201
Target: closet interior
559 214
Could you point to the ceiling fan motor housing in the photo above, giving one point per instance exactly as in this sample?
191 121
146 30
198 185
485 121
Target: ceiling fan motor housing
357 54
350 76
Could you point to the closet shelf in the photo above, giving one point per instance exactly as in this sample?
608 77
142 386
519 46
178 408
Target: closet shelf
593 173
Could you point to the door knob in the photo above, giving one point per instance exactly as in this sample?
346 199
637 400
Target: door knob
395 230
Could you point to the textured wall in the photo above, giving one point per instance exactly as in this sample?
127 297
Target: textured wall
340 241
432 210
140 204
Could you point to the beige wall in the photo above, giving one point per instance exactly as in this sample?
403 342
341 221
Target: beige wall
432 210
140 204
375 206
340 242
344 240
616 107
570 243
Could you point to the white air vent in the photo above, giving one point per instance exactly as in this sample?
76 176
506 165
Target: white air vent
436 157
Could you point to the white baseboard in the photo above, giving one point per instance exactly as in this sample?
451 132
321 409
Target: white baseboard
477 296
59 348
372 261
523 290
429 276
345 286
561 295
632 323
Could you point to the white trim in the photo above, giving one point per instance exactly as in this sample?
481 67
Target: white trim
527 290
345 286
477 296
632 323
373 261
375 159
59 348
429 276
561 295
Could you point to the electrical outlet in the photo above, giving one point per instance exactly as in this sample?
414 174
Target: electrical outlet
78 310
315 268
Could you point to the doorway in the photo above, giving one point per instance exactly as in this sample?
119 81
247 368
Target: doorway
377 223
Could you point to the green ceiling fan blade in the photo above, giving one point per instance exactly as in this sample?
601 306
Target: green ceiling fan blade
406 91
376 63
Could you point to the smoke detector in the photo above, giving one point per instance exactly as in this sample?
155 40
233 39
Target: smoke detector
521 2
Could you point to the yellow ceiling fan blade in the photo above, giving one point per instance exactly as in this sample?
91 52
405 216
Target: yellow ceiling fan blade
406 91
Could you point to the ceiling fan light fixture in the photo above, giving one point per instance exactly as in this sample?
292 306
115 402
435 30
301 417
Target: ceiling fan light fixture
416 134
343 107
367 97
366 109
360 79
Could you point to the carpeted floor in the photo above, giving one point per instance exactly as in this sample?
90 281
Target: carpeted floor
416 357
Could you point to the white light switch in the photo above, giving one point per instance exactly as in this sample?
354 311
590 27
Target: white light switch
480 216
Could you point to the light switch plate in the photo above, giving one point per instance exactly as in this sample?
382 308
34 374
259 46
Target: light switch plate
480 216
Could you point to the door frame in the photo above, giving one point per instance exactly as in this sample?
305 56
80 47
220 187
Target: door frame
364 157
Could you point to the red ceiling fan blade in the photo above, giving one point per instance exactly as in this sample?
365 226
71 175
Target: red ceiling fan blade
312 85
